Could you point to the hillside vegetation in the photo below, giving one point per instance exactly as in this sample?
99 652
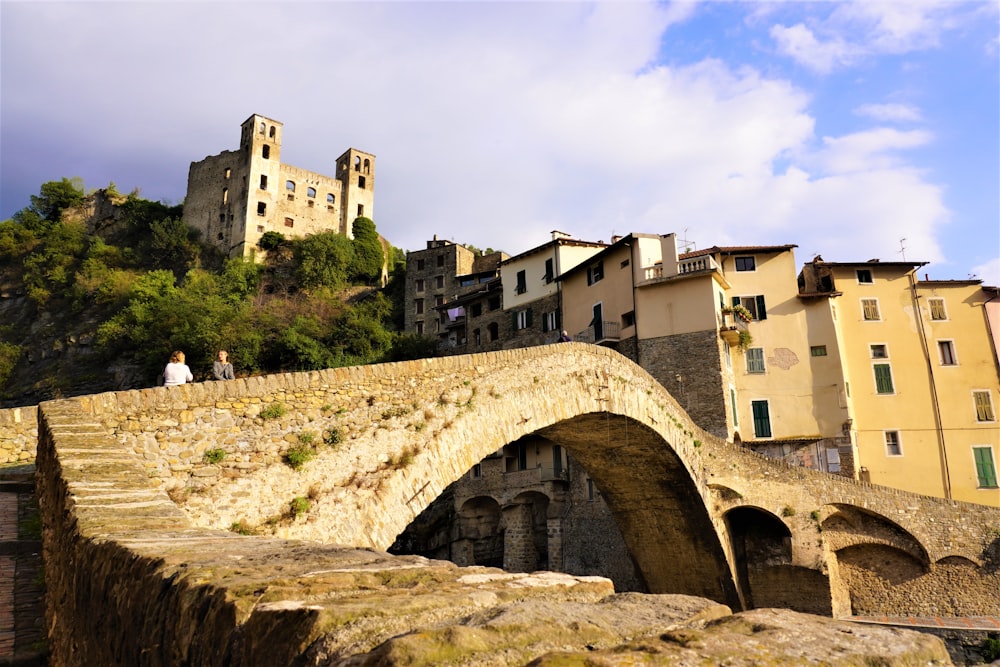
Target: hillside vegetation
97 290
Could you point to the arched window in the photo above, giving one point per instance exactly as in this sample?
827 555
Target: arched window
271 134
357 163
290 186
330 198
225 195
266 152
311 192
368 166
262 126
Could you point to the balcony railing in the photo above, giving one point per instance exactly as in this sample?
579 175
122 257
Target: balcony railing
684 266
599 332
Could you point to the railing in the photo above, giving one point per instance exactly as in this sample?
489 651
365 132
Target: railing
684 266
599 332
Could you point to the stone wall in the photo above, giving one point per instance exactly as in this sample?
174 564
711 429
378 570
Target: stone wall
18 434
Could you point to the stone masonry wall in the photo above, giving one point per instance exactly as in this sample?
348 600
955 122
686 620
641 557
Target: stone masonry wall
18 434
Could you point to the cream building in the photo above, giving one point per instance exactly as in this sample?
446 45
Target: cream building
233 198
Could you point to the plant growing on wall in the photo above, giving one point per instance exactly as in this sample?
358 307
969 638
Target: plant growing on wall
746 340
741 312
298 455
273 411
215 455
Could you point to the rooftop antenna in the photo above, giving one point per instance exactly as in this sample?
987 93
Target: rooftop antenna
902 248
687 244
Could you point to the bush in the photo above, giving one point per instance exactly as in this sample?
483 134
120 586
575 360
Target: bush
299 506
298 455
215 455
270 240
273 411
333 437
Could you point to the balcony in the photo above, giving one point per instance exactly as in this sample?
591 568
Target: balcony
732 327
684 267
599 332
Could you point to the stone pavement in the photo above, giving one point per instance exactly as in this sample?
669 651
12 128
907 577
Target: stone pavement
22 612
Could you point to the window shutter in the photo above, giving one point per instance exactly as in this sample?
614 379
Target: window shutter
514 322
527 318
736 301
984 467
545 323
761 311
883 379
761 419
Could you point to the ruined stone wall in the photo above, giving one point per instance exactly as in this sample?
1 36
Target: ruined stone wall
308 215
221 217
18 434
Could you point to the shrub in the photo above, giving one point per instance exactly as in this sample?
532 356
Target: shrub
307 437
215 455
333 437
273 411
298 455
788 511
991 648
299 506
241 527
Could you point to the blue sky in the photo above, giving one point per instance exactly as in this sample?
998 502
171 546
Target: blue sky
841 127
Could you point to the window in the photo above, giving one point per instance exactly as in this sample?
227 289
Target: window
440 260
420 285
420 265
946 351
289 222
936 306
595 273
266 152
260 229
755 360
883 378
522 319
625 263
590 489
476 309
986 470
494 303
494 331
225 195
439 282
984 406
477 336
263 182
439 301
361 210
361 182
477 470
755 304
420 327
864 276
290 186
628 319
229 172
761 419
817 351
550 321
879 351
892 446
330 199
311 193
522 284
549 271
746 264
271 132
869 309
261 208
419 303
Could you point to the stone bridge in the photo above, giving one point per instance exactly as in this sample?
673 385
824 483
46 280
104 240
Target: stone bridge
141 492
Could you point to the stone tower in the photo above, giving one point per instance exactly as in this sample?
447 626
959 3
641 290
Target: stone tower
236 197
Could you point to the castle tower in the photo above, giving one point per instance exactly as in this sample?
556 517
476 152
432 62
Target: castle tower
356 172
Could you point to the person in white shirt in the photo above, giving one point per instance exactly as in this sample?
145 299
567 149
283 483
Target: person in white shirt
176 372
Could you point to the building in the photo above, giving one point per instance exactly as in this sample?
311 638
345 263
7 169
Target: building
235 197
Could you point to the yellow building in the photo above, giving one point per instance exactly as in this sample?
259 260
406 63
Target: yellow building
853 368
921 376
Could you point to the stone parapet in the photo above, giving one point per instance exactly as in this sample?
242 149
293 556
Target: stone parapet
18 434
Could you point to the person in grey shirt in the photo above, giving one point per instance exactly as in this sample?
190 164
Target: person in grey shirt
221 368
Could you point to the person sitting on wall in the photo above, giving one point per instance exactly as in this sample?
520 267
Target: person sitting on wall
221 368
564 337
177 372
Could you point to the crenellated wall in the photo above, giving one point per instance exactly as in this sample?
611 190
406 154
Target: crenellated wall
143 569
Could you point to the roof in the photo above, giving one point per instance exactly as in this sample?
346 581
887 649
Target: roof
737 250
622 242
970 281
869 263
553 243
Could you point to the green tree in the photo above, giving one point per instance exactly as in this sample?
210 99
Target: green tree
323 260
270 240
56 196
368 256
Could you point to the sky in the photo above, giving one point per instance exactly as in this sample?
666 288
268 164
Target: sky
854 130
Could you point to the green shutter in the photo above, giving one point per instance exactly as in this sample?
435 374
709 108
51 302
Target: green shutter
883 379
736 300
761 419
761 310
985 470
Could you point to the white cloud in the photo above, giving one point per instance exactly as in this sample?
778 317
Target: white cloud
889 112
988 272
801 44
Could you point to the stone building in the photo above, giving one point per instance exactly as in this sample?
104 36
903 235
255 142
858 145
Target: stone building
234 197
